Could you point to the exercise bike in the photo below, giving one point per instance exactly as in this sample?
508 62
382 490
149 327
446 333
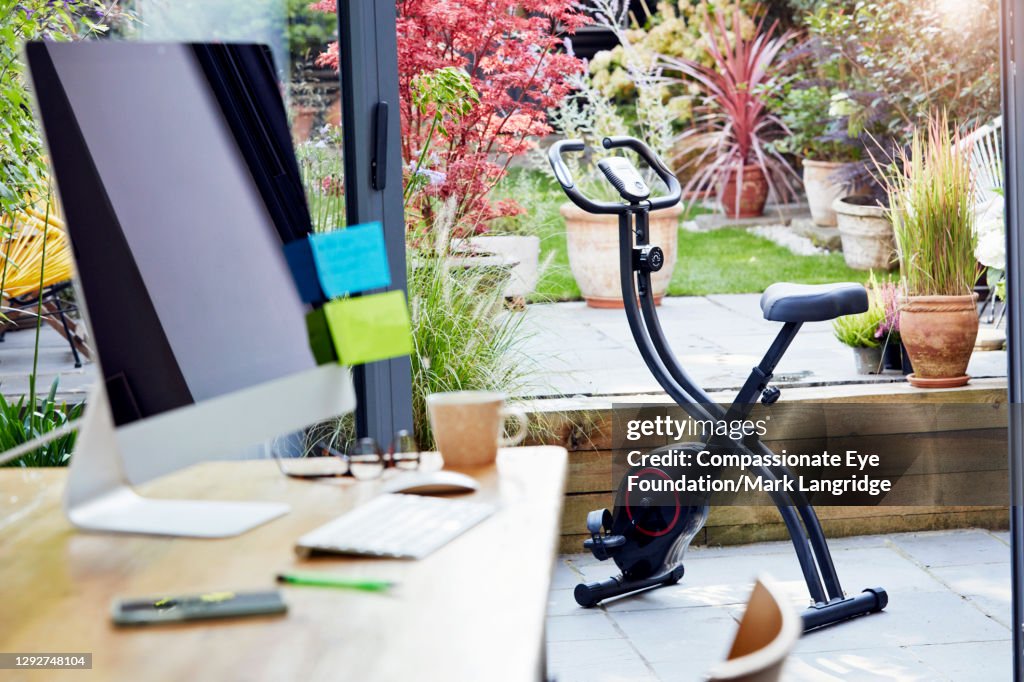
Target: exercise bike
647 539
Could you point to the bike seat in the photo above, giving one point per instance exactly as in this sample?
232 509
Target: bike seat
785 302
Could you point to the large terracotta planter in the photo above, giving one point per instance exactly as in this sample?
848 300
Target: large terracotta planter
939 333
753 193
593 242
822 190
867 235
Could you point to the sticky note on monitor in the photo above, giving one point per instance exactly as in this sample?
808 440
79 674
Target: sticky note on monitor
352 260
369 328
320 341
299 255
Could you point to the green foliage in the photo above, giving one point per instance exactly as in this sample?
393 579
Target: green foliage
446 94
20 423
931 199
674 29
462 337
322 169
22 166
858 331
808 112
309 32
899 60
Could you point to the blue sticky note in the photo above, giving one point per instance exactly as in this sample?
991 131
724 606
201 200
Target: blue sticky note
351 260
299 255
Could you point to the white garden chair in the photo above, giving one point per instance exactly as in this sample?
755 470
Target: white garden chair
987 166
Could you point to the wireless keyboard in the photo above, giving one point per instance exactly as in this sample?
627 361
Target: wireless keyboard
396 526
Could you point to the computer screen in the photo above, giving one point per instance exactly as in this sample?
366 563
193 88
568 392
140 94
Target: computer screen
176 172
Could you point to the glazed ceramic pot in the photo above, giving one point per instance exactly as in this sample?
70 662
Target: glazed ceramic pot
822 190
939 333
593 242
753 193
869 242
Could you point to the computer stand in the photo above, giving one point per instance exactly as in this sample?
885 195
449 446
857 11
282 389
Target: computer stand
99 497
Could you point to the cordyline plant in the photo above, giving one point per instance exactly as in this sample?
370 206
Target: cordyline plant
510 50
733 126
931 206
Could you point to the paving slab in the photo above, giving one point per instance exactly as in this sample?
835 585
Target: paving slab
969 661
947 620
55 361
957 547
581 351
597 661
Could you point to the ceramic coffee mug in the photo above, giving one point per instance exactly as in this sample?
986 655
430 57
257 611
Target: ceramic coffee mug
468 426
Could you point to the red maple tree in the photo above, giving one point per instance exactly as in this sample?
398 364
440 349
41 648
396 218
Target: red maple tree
510 49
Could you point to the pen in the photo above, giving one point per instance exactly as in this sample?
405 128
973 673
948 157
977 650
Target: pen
318 579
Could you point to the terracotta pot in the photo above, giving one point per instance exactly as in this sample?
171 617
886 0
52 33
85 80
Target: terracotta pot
939 333
593 242
753 194
302 123
822 190
869 242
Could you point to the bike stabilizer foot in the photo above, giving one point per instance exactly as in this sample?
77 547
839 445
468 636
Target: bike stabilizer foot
871 600
591 594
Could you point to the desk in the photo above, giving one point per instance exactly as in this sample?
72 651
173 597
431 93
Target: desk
474 610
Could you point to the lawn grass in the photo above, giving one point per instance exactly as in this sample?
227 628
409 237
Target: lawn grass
725 261
734 261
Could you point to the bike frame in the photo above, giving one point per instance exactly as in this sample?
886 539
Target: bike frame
830 605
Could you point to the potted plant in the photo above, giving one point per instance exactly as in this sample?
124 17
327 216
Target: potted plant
735 126
888 294
859 332
825 151
593 240
931 199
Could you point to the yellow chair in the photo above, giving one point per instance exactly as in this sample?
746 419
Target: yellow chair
35 267
768 632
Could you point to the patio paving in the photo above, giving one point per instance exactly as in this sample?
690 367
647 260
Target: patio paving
587 351
948 615
54 361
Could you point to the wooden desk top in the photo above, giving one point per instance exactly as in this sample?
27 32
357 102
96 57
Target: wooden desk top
474 610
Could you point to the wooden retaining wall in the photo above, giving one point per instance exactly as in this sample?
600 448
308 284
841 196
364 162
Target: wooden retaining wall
583 426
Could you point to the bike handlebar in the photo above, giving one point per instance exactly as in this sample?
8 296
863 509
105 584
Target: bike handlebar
565 178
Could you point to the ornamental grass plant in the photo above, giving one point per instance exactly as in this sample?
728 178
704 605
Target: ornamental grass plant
931 205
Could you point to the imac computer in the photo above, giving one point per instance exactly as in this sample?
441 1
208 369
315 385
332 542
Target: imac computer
179 184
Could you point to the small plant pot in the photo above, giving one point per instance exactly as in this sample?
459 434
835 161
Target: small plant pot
867 360
593 243
939 333
753 193
822 190
867 235
892 355
302 122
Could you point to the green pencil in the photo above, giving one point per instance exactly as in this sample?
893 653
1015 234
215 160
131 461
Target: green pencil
318 579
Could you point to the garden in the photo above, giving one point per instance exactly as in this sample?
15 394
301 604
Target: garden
812 142
797 130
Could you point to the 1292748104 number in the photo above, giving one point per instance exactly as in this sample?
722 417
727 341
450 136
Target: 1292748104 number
46 661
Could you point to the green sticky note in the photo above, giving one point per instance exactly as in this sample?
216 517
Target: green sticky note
370 328
320 337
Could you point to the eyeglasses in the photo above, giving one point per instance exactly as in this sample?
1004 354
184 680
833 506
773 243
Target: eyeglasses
365 462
